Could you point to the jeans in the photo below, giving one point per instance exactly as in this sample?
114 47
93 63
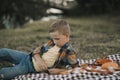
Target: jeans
23 64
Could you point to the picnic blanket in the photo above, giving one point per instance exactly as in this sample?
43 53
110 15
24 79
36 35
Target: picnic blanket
75 76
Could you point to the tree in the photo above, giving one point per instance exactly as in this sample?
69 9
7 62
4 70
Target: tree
98 6
16 12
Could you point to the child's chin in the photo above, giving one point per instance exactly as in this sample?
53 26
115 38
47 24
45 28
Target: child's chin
58 45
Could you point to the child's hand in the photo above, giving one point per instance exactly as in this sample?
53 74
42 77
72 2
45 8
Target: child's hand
54 71
57 71
40 62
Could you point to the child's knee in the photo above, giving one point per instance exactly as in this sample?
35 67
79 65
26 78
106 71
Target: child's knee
3 50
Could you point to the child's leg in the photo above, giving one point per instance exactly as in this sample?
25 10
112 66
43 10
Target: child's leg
10 72
24 67
10 55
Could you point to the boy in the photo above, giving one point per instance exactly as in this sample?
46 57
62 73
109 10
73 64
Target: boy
54 57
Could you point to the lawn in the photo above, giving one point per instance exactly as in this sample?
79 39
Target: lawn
91 37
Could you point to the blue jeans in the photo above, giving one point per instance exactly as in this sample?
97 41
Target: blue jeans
23 64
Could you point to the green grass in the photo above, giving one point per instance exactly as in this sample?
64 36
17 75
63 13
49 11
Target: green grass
91 37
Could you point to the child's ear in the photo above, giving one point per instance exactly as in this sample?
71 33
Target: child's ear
67 35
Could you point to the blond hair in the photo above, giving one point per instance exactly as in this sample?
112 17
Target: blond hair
61 26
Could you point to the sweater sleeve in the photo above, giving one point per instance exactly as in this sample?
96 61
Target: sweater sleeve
72 59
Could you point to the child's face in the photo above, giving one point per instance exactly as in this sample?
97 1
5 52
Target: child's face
59 39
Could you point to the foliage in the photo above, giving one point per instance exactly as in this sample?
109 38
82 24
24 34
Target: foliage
14 13
98 6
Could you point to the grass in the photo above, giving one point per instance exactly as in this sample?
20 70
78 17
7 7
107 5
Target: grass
91 37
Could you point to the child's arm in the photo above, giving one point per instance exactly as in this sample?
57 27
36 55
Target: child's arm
42 65
57 71
73 60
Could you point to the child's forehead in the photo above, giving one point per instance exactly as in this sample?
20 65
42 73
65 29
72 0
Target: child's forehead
56 33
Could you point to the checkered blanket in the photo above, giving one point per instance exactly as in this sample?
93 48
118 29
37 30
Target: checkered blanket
76 76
